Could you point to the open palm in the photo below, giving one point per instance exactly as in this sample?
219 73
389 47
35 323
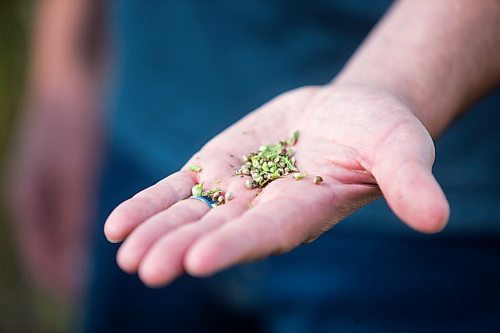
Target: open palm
360 141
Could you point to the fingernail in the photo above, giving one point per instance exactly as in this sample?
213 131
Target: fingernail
114 241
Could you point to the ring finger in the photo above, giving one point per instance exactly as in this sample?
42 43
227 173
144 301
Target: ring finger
145 235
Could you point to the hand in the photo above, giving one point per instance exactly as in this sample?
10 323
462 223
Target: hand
362 142
50 180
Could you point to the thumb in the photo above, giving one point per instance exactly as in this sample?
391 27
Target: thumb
403 170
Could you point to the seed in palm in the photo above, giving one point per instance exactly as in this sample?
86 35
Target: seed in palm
216 194
269 163
318 180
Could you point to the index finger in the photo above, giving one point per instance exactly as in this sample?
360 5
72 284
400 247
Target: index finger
154 199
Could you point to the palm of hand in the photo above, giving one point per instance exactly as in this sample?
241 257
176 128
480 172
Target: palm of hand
360 142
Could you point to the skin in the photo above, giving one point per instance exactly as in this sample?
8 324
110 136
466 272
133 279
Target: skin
55 155
367 133
379 142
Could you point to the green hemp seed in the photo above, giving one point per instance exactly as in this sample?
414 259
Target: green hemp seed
215 194
197 190
269 163
195 168
299 175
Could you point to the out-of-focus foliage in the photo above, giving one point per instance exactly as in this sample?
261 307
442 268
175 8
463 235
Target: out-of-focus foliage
22 309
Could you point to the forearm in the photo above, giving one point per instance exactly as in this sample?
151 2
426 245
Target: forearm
60 32
437 56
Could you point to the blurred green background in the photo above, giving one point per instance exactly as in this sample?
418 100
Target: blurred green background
22 307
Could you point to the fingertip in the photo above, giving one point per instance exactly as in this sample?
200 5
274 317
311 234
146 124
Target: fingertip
424 207
416 197
120 222
151 277
114 241
125 261
433 218
112 233
201 260
114 229
155 274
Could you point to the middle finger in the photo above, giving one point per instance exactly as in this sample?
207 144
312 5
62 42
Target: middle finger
145 235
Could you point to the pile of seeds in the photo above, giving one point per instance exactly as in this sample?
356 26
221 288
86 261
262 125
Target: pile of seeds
270 163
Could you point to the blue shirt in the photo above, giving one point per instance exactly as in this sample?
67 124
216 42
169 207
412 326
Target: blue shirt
186 70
